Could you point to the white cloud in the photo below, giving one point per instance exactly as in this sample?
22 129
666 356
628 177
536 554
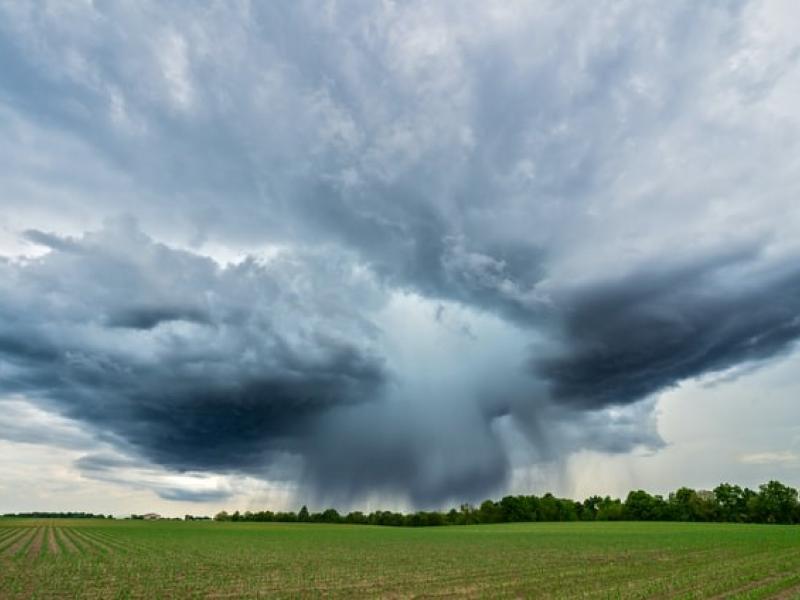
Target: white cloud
783 457
173 55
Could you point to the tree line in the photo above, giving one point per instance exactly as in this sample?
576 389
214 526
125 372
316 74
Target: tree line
773 502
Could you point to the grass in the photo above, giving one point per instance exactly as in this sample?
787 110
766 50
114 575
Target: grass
163 559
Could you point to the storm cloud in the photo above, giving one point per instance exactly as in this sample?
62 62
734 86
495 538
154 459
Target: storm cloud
387 249
629 338
225 367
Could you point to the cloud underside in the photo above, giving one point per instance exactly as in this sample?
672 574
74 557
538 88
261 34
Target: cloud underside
435 244
195 366
631 338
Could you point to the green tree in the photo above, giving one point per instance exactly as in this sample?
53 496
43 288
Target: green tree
549 509
330 515
731 503
489 512
591 507
514 509
687 505
356 517
469 515
303 514
641 506
775 503
610 509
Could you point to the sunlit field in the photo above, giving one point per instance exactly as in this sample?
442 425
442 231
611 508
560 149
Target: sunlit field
102 559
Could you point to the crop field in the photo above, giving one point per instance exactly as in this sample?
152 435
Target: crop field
167 559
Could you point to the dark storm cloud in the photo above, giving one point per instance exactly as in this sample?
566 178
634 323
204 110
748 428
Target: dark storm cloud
184 495
233 369
626 339
148 317
227 380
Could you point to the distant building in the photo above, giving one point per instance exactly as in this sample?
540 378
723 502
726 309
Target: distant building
151 516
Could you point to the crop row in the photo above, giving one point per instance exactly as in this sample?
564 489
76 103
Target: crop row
33 542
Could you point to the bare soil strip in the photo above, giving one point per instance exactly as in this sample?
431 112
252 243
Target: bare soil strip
69 547
35 547
733 566
109 541
81 546
749 587
15 536
52 546
92 542
113 541
21 543
788 593
7 533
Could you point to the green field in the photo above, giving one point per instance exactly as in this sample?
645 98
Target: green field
107 559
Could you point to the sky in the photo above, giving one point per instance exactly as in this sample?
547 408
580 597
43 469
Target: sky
395 254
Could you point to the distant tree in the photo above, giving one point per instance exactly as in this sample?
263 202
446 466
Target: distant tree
610 509
731 503
453 517
417 519
686 504
303 514
434 519
489 512
775 503
568 510
468 515
285 517
548 509
385 517
641 506
356 517
513 509
591 508
330 515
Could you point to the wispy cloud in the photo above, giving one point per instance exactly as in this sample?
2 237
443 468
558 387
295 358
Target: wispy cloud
782 457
